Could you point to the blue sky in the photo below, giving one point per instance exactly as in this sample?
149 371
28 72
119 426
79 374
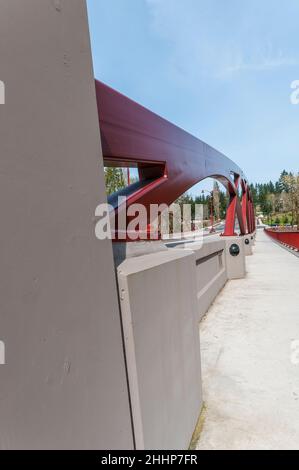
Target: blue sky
219 69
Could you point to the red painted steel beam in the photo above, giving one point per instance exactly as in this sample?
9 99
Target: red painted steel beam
169 160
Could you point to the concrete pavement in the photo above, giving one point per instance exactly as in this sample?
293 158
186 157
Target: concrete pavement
250 371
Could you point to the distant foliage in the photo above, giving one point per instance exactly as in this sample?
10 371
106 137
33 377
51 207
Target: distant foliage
114 180
220 202
279 197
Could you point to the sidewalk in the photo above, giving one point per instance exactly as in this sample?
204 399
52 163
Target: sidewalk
251 386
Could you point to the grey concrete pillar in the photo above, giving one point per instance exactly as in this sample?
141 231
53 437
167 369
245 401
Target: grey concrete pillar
64 382
248 244
235 257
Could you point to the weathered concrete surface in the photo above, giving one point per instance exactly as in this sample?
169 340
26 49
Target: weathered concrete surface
211 273
251 386
64 382
159 310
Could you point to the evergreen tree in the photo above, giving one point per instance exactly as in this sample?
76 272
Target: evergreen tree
282 181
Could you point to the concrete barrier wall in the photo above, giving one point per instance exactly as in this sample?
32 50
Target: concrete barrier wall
158 296
64 382
211 274
211 270
164 292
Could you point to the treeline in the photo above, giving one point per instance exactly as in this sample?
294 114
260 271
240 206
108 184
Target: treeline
265 194
276 201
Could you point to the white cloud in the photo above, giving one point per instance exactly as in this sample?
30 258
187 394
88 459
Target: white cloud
210 38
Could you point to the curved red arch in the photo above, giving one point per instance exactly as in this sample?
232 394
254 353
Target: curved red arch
169 159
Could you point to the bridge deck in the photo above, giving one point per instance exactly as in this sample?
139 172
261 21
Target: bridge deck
251 386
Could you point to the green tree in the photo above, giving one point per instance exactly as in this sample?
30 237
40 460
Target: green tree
223 200
216 200
282 182
291 183
114 180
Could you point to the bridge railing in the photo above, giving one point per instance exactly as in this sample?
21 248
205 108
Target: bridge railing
286 237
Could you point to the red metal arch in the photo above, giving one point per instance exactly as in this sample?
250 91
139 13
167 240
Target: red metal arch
169 160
